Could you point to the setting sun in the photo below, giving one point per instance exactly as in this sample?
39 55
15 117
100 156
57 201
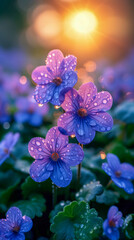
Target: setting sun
83 22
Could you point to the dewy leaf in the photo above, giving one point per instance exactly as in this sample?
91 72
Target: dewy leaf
35 206
128 226
125 112
31 187
58 208
89 191
108 197
76 222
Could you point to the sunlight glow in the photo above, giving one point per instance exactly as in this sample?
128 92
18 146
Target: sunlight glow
83 22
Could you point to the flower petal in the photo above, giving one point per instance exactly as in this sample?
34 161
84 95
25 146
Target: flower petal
71 101
38 148
107 169
62 174
127 171
44 93
125 184
56 140
69 79
14 216
113 162
41 170
103 122
26 224
55 100
112 212
18 236
102 102
83 131
40 75
4 226
68 63
87 91
54 60
72 154
66 122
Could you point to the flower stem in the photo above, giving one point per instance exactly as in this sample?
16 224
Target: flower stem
54 194
79 168
109 183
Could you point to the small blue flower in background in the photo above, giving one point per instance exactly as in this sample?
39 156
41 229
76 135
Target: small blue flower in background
15 225
57 75
120 173
29 112
7 144
112 223
54 156
85 112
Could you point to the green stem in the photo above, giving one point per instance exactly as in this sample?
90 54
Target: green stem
79 168
54 194
109 183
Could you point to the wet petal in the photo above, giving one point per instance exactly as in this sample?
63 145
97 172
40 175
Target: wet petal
62 175
68 63
72 155
41 170
4 226
69 79
125 184
54 60
14 216
56 140
103 122
71 101
113 162
44 93
38 148
40 75
102 102
107 169
18 236
83 131
127 171
87 91
67 122
26 224
56 96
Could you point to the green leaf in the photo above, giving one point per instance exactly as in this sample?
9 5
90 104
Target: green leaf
9 181
30 187
128 226
125 112
89 191
108 197
58 208
76 221
35 206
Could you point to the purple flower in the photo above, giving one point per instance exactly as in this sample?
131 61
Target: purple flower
57 75
6 145
29 112
112 223
85 113
54 156
14 226
120 173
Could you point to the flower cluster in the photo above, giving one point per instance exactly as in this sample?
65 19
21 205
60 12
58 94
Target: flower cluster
112 223
120 173
15 225
54 156
7 144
